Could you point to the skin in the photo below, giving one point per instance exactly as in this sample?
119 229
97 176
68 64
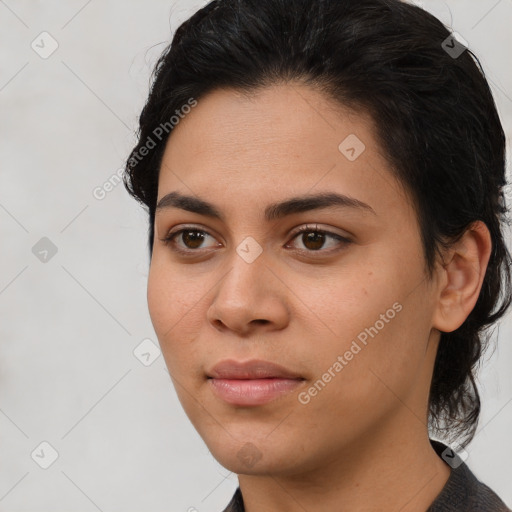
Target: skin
362 441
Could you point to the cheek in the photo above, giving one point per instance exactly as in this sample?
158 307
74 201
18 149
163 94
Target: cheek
176 308
371 381
171 297
379 328
344 303
159 299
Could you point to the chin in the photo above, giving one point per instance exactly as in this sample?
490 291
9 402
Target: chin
248 460
251 455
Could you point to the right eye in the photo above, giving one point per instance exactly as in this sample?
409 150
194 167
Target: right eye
191 238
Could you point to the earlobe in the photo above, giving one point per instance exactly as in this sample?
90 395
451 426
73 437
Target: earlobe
463 272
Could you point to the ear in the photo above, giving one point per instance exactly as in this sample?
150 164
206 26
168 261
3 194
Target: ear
462 275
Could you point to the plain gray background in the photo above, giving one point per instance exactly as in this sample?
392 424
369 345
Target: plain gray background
71 321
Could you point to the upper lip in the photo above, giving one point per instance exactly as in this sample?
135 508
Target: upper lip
253 369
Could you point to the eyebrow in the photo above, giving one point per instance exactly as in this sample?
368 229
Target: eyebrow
273 211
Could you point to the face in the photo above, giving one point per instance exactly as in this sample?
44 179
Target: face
343 307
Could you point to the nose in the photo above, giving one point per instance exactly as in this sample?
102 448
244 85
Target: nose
249 297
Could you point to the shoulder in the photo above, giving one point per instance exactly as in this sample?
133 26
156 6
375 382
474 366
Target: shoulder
236 504
463 491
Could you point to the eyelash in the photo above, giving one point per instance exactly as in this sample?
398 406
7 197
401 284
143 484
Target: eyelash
169 239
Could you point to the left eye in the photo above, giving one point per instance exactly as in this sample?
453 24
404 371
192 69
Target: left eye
312 238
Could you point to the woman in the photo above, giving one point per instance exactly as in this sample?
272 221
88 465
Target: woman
326 248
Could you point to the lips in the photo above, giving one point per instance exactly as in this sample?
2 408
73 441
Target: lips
253 369
251 383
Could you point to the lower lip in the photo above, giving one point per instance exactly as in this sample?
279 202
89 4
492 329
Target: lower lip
252 391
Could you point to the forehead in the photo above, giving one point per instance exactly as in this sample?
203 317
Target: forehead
277 142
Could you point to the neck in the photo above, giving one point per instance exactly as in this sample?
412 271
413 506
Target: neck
396 469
